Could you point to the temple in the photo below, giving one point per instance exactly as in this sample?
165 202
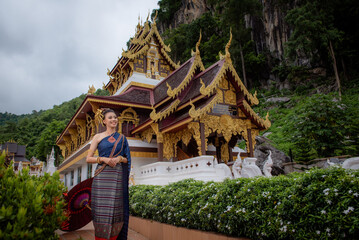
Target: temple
168 112
17 154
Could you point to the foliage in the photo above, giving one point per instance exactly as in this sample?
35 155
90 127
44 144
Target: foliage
318 24
320 204
166 11
38 131
183 39
313 126
31 207
320 124
313 29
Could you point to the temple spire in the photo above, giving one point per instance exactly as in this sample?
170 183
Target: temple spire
228 55
197 44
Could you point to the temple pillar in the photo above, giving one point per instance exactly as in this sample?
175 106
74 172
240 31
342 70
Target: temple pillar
160 151
217 144
203 139
230 153
249 132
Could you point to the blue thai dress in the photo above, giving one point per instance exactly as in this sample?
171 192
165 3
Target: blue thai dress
109 194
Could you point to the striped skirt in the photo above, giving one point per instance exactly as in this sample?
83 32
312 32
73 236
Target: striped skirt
107 203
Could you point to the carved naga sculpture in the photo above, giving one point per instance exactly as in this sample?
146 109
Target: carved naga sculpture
237 167
267 167
227 170
250 169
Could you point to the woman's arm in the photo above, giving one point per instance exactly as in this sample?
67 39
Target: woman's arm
91 159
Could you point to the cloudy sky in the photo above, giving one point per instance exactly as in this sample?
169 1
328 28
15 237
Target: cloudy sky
52 50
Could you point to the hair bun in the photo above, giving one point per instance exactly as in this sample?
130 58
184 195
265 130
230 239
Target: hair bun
106 110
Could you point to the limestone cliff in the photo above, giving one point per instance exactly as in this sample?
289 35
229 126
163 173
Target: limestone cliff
189 11
270 31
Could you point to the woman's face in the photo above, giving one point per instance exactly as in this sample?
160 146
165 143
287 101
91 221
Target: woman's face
110 120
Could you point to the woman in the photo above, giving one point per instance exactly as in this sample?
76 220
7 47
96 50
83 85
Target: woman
109 194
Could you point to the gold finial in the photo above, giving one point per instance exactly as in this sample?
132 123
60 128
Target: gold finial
267 122
108 72
228 55
91 90
148 15
221 56
197 45
169 90
199 42
103 86
202 89
154 19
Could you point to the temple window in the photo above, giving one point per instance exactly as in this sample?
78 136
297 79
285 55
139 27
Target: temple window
72 178
89 170
127 121
79 175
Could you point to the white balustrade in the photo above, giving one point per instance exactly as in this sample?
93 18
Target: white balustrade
199 168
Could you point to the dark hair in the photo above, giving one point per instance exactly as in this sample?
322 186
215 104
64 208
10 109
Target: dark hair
107 110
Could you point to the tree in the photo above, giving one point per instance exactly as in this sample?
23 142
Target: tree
48 138
314 33
318 127
232 14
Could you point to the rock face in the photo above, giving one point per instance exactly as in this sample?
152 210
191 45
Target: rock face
261 152
270 31
189 11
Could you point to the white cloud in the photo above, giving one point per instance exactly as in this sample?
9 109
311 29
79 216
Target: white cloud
51 51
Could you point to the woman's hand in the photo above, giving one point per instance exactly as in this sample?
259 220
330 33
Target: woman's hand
110 161
121 159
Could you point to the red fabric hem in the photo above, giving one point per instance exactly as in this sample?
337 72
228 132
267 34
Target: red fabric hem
111 238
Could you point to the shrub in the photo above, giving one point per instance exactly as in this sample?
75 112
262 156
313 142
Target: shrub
31 207
319 204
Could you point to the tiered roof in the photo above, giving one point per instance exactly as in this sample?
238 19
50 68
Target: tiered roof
139 45
185 95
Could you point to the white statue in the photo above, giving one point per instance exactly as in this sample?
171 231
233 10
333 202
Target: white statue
131 178
50 166
19 168
267 167
237 167
227 170
250 169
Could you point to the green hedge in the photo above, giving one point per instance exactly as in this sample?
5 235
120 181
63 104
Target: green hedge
31 207
319 204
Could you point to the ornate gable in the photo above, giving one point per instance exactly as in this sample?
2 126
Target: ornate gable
147 55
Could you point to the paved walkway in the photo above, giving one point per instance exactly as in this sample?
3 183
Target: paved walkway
88 233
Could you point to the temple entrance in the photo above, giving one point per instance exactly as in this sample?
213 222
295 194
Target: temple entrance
187 151
223 149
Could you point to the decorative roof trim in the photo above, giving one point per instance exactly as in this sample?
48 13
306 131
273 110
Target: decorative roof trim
196 114
265 123
196 64
188 102
135 55
227 66
158 116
